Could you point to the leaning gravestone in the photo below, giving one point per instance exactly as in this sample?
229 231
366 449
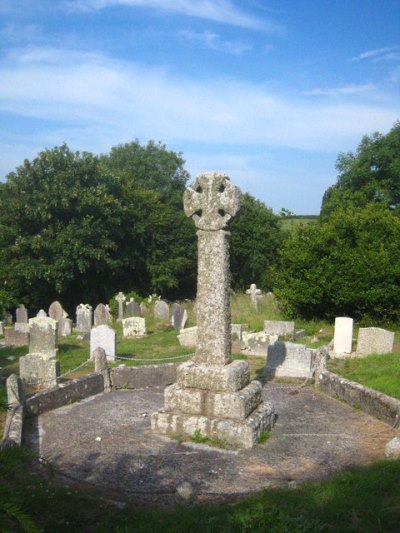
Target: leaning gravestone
134 326
161 311
101 315
179 316
213 395
132 309
374 340
104 337
21 322
84 318
343 336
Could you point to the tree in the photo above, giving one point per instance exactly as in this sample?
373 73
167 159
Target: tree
347 265
372 174
255 239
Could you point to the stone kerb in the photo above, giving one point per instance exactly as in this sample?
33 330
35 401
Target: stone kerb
104 337
374 341
213 394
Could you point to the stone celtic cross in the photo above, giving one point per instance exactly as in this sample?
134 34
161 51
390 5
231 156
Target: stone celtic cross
212 202
120 298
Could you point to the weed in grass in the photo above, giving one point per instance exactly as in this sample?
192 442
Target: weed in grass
265 435
198 437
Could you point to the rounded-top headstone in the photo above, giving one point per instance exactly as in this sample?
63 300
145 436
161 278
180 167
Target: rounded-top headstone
56 311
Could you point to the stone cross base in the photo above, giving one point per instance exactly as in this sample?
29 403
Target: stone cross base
217 401
35 369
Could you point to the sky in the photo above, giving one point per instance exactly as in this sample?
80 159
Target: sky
268 92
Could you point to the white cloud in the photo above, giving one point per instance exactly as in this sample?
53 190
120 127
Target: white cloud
379 54
342 91
217 10
213 41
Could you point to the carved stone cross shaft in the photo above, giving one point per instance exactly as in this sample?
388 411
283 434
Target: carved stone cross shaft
212 202
120 299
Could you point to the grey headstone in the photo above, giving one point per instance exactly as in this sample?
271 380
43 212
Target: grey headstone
64 327
104 337
22 327
56 311
36 370
8 319
14 390
101 315
120 298
255 295
279 327
290 360
374 340
43 336
84 318
257 343
21 314
161 311
179 316
100 360
132 309
1 328
41 314
134 326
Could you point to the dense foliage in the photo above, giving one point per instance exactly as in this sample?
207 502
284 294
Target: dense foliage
346 265
372 174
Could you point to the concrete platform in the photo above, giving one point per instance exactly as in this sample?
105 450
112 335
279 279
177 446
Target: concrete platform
105 442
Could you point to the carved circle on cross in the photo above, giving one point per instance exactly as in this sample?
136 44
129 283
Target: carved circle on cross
212 201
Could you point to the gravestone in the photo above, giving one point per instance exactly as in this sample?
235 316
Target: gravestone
56 311
42 314
64 327
213 395
132 309
84 318
161 311
134 326
120 298
43 337
279 327
1 328
188 337
179 316
101 315
104 337
289 360
343 336
255 295
143 309
21 322
374 340
257 343
15 395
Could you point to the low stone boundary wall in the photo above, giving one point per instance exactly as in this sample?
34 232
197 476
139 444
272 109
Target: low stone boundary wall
371 401
65 393
138 377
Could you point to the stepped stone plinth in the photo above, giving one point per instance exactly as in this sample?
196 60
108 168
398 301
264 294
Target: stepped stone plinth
213 395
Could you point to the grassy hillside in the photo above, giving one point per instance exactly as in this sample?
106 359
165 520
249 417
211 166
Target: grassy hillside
292 222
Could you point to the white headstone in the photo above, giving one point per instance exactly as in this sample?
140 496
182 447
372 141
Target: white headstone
134 326
343 337
279 327
84 318
104 337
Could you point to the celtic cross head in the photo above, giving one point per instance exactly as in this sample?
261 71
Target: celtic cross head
212 201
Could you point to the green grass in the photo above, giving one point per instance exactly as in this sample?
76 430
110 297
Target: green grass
379 372
291 223
364 499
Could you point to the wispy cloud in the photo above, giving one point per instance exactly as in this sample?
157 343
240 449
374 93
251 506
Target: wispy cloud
223 11
388 53
342 91
214 41
102 101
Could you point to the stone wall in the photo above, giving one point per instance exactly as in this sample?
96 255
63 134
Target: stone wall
371 401
138 377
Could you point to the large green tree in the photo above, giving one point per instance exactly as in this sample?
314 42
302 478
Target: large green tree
255 239
372 174
347 265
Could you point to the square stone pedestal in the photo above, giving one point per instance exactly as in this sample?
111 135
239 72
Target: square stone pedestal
217 401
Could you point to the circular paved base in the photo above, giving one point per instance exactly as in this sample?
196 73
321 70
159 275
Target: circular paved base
106 441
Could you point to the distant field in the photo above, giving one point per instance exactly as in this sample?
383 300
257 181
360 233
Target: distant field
290 223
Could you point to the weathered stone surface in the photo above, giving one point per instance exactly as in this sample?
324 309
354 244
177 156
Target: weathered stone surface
343 337
236 433
392 448
188 337
64 327
179 316
35 369
138 377
132 309
374 340
100 366
84 318
255 295
101 315
279 327
15 394
43 336
287 359
104 337
15 338
1 328
161 311
56 311
22 327
42 314
228 378
21 314
134 326
257 343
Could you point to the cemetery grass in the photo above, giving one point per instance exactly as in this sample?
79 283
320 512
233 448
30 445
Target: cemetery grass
363 499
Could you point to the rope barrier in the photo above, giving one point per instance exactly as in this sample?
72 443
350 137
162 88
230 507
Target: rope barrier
159 359
42 382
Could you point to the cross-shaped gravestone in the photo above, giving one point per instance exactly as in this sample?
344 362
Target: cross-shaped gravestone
254 292
212 202
121 298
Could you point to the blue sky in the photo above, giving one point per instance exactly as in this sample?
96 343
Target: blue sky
267 91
